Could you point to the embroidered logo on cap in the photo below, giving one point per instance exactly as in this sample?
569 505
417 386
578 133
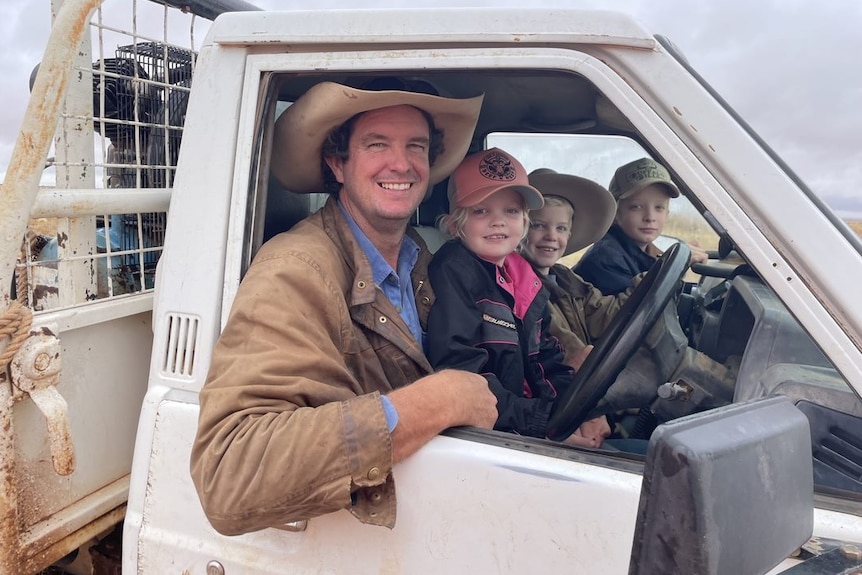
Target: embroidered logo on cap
646 171
496 166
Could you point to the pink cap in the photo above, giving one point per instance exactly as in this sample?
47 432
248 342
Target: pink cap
486 172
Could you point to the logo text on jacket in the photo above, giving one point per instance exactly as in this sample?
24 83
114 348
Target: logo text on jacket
498 321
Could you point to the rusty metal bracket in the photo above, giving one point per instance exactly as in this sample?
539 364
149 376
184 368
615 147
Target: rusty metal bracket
35 371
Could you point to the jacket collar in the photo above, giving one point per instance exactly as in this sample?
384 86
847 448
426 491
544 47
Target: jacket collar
363 288
525 281
567 283
630 247
337 228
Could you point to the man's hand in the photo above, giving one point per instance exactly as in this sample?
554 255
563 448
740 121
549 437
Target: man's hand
459 397
439 401
591 433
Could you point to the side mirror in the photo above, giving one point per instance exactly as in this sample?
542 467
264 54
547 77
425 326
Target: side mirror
728 491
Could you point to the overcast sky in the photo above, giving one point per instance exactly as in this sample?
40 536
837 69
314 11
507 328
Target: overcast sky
789 67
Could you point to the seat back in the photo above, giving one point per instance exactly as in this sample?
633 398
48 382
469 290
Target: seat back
425 219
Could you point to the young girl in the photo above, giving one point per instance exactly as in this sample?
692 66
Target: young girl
491 314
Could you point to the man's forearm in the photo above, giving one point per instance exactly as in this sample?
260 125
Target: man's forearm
445 399
420 418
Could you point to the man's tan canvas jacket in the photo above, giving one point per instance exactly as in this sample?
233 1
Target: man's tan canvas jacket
291 425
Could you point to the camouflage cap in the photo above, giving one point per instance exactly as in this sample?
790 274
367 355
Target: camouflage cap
635 176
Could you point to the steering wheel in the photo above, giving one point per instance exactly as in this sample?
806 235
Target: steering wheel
622 338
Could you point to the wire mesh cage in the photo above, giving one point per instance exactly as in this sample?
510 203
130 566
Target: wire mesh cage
124 116
146 100
142 96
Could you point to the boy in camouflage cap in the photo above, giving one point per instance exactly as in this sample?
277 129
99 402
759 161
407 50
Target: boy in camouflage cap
643 190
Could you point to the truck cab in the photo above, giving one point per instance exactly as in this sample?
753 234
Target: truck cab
575 91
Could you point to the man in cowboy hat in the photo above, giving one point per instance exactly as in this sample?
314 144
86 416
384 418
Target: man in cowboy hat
318 383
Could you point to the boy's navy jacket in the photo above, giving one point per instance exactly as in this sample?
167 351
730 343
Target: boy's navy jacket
612 262
478 325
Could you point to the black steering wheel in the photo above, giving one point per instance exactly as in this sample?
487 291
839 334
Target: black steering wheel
619 342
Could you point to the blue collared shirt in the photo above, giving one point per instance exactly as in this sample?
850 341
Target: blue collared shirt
399 291
395 285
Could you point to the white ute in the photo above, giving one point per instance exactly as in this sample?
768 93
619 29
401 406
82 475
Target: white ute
104 350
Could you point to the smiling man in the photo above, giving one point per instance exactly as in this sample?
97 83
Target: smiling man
319 383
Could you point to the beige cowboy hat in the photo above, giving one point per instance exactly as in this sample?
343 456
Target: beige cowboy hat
594 206
305 125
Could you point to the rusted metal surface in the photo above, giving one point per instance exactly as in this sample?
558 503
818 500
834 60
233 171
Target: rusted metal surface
69 256
90 202
73 157
16 200
8 495
35 371
19 319
34 139
35 560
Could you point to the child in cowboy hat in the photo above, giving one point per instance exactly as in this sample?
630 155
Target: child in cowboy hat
643 190
576 213
491 314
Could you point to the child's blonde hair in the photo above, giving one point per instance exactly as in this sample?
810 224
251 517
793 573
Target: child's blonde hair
452 224
559 201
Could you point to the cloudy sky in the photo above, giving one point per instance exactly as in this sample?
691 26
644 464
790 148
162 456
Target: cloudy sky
789 67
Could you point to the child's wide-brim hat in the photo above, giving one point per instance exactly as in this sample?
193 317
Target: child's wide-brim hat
594 206
305 125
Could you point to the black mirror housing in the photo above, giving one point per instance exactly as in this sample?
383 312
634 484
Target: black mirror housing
728 491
